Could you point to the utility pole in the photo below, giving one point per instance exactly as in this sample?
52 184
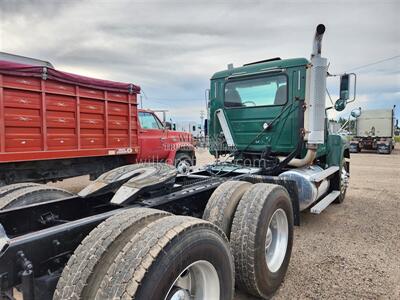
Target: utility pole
201 118
202 122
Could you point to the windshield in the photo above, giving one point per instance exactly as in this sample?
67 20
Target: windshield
261 91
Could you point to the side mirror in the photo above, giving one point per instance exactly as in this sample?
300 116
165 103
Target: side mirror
355 113
345 87
340 104
344 97
168 126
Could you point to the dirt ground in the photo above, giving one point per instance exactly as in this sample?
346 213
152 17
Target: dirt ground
349 251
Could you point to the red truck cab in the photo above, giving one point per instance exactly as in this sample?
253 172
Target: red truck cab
158 143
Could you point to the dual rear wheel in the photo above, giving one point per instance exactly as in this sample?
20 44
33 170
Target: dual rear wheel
258 219
144 253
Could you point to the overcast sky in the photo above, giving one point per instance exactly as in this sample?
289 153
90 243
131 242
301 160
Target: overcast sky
172 48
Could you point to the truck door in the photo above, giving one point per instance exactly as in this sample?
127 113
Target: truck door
152 138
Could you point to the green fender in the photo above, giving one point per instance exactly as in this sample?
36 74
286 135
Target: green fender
338 149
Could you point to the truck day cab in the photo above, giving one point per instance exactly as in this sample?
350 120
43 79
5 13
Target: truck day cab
143 232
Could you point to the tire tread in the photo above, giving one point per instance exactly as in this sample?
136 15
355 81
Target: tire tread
30 190
84 263
243 235
142 251
215 211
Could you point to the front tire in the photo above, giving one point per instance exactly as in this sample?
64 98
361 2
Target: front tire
262 238
343 181
183 162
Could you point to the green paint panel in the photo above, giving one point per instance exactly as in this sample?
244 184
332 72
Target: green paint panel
246 119
336 145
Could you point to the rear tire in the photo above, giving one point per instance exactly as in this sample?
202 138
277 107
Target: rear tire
222 204
88 265
169 257
31 195
4 190
262 251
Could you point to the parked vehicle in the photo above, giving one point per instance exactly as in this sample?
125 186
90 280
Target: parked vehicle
55 125
157 143
374 131
136 232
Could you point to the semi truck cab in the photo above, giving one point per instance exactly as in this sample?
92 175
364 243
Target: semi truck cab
263 97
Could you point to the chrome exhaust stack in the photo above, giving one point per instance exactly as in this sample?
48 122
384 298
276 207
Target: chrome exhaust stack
317 91
315 101
317 44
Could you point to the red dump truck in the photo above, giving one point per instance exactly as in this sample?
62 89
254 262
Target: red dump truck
55 125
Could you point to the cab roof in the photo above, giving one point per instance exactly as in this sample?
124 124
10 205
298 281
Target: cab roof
256 67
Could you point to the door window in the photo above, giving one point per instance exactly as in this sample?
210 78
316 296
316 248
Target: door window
149 121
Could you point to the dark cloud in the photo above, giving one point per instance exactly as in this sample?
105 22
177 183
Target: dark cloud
34 9
172 48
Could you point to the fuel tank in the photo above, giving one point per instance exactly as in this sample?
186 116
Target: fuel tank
308 191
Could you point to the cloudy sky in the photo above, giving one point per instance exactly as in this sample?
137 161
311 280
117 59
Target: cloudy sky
172 48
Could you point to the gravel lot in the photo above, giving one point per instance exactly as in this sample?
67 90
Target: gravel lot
350 251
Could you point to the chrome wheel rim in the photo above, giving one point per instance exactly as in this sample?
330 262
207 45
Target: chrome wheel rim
344 180
183 167
198 281
276 240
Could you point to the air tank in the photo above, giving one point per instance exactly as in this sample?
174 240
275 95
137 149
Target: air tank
308 191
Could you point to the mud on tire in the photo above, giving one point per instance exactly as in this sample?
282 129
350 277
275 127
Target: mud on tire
88 265
252 239
222 204
161 255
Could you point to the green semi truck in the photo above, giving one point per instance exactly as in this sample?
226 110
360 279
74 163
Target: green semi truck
270 117
144 232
